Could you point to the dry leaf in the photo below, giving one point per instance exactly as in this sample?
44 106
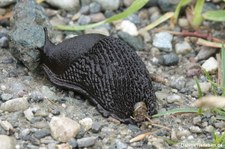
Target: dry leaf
139 137
210 102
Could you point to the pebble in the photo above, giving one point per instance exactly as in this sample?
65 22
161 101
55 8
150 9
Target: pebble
17 104
86 142
7 126
163 41
70 5
210 65
143 14
134 19
128 27
84 19
178 82
4 41
135 42
205 87
169 59
86 123
63 128
94 7
42 133
7 142
28 113
183 48
48 93
96 127
109 4
205 53
195 129
127 3
155 16
73 143
120 144
183 133
84 10
197 120
183 23
97 17
220 125
6 96
173 99
4 3
166 6
209 128
36 97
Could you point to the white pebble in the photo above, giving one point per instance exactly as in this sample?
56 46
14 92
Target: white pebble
63 128
65 4
86 123
128 27
183 48
7 142
210 65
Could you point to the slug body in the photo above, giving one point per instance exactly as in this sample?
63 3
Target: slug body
104 69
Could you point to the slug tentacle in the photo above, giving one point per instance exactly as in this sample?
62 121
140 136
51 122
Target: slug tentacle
104 69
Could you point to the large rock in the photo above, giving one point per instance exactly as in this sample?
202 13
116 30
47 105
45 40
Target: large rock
63 128
17 104
7 142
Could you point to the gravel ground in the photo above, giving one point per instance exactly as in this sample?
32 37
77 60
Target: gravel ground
34 114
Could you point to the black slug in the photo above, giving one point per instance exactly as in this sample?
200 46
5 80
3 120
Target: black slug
104 69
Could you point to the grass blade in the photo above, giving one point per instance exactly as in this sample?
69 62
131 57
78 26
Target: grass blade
181 4
223 67
136 5
177 110
197 17
216 15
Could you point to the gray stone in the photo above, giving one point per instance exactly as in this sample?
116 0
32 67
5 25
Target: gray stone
48 93
7 126
120 144
96 127
36 96
84 19
63 128
168 5
205 53
135 42
70 5
85 10
17 104
183 48
95 7
28 113
169 59
197 120
177 82
134 19
42 133
86 142
195 129
163 41
209 128
173 99
86 123
4 3
27 33
73 143
109 4
7 142
6 96
4 40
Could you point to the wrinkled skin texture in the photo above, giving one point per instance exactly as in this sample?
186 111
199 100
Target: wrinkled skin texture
104 69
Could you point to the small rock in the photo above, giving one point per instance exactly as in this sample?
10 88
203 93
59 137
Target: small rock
86 142
178 82
169 59
163 41
135 42
29 114
70 5
4 41
210 65
183 22
96 127
109 4
63 128
173 135
4 3
86 123
48 93
183 133
195 129
24 133
84 19
7 126
128 27
6 96
134 19
197 120
97 17
42 133
73 143
85 10
205 86
55 112
17 104
183 48
7 142
63 146
166 6
95 7
127 3
154 16
120 145
205 53
220 125
209 128
174 99
36 97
